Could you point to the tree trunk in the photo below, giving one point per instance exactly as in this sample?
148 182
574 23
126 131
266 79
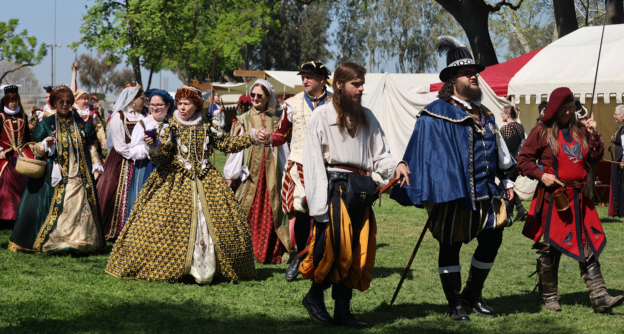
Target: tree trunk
473 18
134 60
615 11
149 81
521 38
565 17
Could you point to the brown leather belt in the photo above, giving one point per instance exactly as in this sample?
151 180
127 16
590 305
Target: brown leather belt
568 184
574 184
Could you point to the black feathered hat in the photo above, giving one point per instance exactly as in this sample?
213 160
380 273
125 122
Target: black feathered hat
314 67
10 89
457 56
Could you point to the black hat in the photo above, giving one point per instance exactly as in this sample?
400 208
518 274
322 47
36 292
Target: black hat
313 67
10 89
48 89
580 111
457 56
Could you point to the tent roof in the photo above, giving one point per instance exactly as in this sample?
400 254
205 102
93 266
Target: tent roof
571 61
498 76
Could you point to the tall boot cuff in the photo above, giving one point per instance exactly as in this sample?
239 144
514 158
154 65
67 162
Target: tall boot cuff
481 265
449 269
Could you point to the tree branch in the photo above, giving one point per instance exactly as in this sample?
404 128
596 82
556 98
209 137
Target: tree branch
502 4
13 70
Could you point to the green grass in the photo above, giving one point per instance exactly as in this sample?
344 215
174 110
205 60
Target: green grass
53 294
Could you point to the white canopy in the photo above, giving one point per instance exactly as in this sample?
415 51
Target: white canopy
571 62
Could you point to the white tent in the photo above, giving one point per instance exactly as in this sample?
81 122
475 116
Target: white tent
571 62
396 99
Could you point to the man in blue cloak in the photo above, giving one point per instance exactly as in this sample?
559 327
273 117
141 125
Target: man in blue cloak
455 153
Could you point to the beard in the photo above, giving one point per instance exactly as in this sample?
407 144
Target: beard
352 107
471 93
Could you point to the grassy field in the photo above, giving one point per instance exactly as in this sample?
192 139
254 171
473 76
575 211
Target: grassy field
53 294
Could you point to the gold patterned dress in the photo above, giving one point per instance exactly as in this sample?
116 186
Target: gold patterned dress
186 220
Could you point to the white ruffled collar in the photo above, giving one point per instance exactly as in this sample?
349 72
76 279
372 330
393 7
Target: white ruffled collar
194 121
467 104
12 112
84 111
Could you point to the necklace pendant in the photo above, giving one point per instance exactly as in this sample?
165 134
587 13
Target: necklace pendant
204 164
183 148
188 165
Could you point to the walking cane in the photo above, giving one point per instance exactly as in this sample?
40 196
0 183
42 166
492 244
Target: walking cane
409 264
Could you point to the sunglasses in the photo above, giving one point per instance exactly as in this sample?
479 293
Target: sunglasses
61 102
253 95
468 74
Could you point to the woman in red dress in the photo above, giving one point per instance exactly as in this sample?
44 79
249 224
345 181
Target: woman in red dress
560 211
13 134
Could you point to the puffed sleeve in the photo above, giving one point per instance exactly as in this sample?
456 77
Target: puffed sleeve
138 148
232 144
532 150
596 147
314 170
165 148
118 136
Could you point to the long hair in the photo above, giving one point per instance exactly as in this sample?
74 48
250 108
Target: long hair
447 90
349 114
552 131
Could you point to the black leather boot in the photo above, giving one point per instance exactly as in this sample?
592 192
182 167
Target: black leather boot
451 284
471 295
293 269
342 312
314 302
548 273
522 212
601 301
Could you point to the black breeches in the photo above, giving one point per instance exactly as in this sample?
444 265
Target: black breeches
489 243
302 230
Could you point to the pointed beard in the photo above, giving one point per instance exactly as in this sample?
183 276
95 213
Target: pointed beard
471 93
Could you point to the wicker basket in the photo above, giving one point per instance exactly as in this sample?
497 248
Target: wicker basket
30 167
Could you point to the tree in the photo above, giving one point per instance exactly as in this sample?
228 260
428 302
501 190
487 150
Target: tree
19 49
473 16
301 37
615 11
524 30
101 72
565 17
109 27
352 31
407 29
23 76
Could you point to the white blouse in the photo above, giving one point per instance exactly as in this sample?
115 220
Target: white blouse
325 144
117 131
138 147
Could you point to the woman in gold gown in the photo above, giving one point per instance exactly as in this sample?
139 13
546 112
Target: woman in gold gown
186 220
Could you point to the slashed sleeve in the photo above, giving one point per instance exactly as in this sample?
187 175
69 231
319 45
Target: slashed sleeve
596 147
284 128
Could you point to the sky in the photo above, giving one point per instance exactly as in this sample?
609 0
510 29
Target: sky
37 16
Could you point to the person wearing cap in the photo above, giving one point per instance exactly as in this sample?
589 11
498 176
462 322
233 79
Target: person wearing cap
560 213
455 154
89 114
14 133
292 128
616 200
259 169
113 187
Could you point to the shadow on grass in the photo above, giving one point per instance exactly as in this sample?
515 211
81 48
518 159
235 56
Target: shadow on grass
612 220
199 316
381 272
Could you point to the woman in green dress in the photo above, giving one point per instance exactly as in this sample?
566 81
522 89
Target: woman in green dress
59 212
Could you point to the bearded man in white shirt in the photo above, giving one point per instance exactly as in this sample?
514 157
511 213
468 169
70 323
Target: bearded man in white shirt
344 146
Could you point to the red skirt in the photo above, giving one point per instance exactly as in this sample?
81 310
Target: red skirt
267 246
12 185
112 188
568 231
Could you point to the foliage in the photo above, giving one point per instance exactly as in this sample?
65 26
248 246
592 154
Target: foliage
407 29
110 80
302 36
352 31
19 48
63 294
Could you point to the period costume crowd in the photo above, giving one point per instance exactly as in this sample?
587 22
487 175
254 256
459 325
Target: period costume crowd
299 184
